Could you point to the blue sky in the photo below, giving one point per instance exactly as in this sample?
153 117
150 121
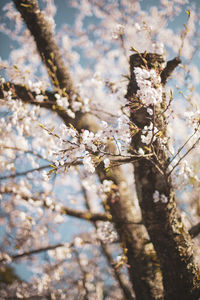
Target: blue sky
66 14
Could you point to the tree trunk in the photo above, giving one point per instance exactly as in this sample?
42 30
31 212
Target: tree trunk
171 240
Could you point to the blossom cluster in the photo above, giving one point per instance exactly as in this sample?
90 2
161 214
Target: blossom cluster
150 90
64 103
149 134
192 118
90 147
159 197
185 174
106 232
119 31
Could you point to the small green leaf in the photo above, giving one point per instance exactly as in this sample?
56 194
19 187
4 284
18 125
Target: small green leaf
41 125
53 166
188 12
133 49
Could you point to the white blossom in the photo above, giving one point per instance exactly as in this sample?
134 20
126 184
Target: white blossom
107 185
148 134
88 163
149 89
159 197
106 162
156 196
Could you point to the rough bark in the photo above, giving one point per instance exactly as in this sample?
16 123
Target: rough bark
143 267
195 230
144 272
170 238
46 44
120 278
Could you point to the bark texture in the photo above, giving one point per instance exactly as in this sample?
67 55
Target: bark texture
48 49
145 275
171 240
143 268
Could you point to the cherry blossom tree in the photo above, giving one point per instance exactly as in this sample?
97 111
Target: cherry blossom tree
99 152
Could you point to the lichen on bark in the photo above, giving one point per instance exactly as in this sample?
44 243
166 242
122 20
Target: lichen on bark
170 238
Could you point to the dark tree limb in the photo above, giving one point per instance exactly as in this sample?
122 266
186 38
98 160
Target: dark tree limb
168 70
24 173
23 93
170 238
195 230
141 257
35 251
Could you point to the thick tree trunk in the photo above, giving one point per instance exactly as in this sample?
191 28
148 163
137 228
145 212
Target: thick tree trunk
143 267
171 240
145 275
46 44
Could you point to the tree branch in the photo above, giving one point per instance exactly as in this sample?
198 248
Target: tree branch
161 218
80 214
170 67
86 215
24 173
194 230
36 251
117 274
46 44
22 92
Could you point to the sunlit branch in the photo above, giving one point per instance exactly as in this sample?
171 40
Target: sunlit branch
104 112
20 91
34 297
86 215
184 33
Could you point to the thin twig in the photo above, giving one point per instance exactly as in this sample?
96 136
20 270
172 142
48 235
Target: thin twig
180 149
190 149
24 173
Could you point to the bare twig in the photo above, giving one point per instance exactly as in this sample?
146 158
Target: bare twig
86 215
24 173
182 157
187 141
35 251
